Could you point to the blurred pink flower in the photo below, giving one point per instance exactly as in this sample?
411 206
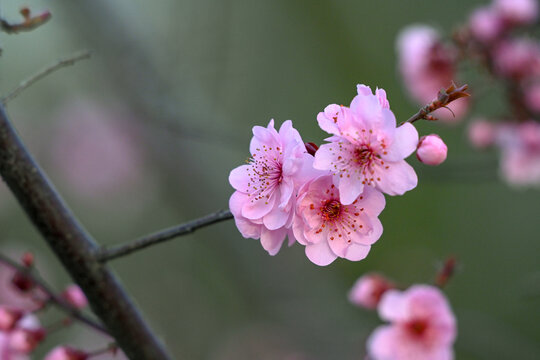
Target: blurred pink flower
517 12
330 229
66 353
264 200
422 326
368 290
518 58
95 150
520 159
532 97
431 150
10 295
9 316
486 24
22 340
366 148
427 66
481 133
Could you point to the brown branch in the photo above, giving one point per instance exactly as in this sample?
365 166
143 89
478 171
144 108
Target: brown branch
70 60
29 23
74 247
158 237
52 298
445 97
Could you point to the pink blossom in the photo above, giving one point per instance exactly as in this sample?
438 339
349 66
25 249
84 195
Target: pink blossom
431 150
486 24
9 294
75 296
369 289
520 159
422 326
517 12
25 337
481 133
517 58
366 147
427 66
329 228
66 353
264 200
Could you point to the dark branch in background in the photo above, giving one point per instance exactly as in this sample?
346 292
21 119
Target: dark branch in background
74 247
29 23
52 298
161 236
445 97
70 60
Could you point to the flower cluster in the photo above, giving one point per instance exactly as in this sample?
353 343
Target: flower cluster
329 198
421 323
22 299
496 38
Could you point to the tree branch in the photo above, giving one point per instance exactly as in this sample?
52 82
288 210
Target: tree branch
52 297
117 251
74 247
70 60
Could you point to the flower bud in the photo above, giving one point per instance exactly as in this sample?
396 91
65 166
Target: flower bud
369 289
28 259
66 353
431 150
9 317
75 296
22 282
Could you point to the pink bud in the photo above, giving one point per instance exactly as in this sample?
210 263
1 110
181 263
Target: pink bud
9 317
368 290
75 296
26 340
27 259
66 353
431 150
481 133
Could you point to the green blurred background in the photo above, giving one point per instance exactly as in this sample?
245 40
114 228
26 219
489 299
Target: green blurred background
192 78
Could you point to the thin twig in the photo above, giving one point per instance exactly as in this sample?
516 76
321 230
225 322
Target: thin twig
158 237
75 248
52 298
70 60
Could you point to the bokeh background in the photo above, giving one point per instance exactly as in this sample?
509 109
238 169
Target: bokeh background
144 134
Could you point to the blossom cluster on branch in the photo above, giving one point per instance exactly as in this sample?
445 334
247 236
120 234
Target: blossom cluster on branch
328 198
23 299
494 38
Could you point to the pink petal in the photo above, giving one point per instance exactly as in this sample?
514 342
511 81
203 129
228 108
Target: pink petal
256 209
239 178
397 179
324 157
276 218
286 189
349 189
404 144
393 307
381 343
356 252
298 230
372 200
271 240
320 254
372 235
247 228
326 119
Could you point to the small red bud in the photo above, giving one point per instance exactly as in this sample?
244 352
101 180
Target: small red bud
22 282
28 259
311 148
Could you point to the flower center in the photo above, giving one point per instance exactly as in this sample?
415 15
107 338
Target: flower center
417 327
363 156
331 210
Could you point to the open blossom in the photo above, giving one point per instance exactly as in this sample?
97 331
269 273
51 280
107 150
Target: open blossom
520 147
486 24
431 150
422 326
517 12
368 290
427 65
518 58
366 148
17 343
264 200
330 229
